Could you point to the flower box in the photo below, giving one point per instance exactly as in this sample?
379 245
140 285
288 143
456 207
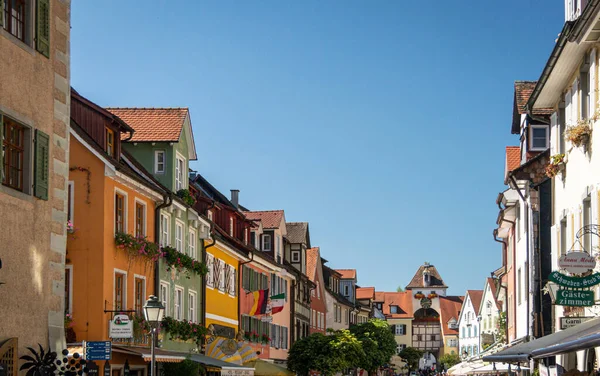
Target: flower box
580 134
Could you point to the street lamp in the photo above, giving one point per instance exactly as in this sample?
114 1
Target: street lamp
154 312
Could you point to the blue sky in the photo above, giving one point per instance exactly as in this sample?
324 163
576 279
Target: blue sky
383 124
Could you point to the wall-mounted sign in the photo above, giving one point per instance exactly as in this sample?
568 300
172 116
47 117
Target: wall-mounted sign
120 327
568 322
577 262
266 319
574 282
575 298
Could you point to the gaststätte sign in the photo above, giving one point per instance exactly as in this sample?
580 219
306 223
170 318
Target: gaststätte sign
574 282
575 298
577 262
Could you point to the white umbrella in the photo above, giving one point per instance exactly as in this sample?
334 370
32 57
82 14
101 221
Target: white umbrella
500 367
464 367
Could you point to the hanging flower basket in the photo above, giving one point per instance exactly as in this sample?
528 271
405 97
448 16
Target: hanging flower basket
419 295
556 165
432 295
579 135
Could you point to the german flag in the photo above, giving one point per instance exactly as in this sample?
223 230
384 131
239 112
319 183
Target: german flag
260 302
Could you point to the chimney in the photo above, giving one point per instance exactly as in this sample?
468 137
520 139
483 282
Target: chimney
235 197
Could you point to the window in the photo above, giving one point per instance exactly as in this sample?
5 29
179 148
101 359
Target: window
70 198
469 332
16 18
519 287
110 142
562 126
164 296
463 332
346 290
68 289
231 222
119 213
245 236
192 306
179 236
159 162
178 303
335 313
563 236
192 243
210 274
253 239
432 337
518 221
266 242
13 154
277 246
140 220
400 329
419 337
210 215
346 315
475 331
587 217
139 295
488 308
120 291
393 308
232 280
179 174
584 78
295 256
221 274
539 137
165 236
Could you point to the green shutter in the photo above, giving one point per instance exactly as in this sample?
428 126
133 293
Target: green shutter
42 27
1 25
42 146
1 119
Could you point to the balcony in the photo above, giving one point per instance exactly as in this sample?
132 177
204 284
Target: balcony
139 339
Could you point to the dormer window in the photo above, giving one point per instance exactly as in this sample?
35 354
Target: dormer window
295 256
393 309
452 324
266 246
488 308
179 174
539 138
110 142
230 226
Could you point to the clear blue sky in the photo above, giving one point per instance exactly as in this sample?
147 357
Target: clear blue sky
381 123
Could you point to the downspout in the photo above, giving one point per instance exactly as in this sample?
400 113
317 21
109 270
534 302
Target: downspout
167 201
525 206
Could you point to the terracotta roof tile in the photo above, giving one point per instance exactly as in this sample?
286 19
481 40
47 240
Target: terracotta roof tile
403 300
270 218
523 90
379 296
492 284
312 257
417 280
153 124
347 273
513 158
365 293
475 296
450 309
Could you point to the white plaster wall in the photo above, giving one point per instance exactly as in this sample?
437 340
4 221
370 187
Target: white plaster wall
522 313
466 340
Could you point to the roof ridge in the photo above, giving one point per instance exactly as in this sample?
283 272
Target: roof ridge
525 81
147 108
513 147
265 211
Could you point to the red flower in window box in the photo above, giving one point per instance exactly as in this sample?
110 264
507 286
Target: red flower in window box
419 295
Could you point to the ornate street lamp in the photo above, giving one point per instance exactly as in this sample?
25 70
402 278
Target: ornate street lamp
154 312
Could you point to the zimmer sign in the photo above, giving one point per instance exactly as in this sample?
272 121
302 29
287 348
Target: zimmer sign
577 262
575 298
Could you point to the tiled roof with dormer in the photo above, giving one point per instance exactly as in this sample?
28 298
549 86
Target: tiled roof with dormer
450 309
347 273
417 280
153 124
297 232
402 300
270 219
523 90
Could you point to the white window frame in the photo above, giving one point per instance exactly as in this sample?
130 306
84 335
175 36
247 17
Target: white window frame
231 223
538 126
192 242
192 311
264 237
295 256
144 289
165 240
179 225
232 280
393 309
210 279
69 268
157 170
143 203
125 210
221 286
71 193
346 290
277 245
245 236
165 301
180 182
179 309
120 271
210 215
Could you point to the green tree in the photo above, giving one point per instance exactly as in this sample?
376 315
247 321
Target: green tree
411 357
449 360
186 368
327 354
378 343
399 289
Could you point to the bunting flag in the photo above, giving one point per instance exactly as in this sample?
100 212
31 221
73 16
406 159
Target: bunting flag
261 298
277 302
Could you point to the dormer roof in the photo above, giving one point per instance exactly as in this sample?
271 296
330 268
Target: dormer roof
523 90
435 278
270 219
365 293
450 310
347 273
475 296
402 300
297 233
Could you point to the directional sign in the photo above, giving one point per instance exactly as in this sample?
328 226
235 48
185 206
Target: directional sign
97 350
575 298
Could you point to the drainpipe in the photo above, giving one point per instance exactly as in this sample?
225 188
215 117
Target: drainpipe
167 201
525 206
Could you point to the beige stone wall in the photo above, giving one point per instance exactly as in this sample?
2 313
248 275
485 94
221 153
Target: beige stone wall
34 90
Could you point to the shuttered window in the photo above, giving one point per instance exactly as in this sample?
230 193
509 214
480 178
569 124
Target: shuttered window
42 27
140 220
13 153
110 142
15 17
119 213
119 291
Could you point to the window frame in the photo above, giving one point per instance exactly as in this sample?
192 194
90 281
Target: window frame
27 26
264 241
178 307
125 199
165 242
180 182
165 301
25 150
142 204
192 243
123 288
192 316
109 145
210 278
68 287
532 127
70 199
137 278
295 256
157 170
179 225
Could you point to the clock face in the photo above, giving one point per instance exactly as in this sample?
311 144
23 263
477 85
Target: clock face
426 303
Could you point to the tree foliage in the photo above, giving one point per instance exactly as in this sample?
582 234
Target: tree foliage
449 360
399 289
327 354
186 368
378 343
411 357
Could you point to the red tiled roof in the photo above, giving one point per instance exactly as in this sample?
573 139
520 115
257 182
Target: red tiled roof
513 158
493 289
268 218
475 296
312 256
401 299
379 296
153 124
523 90
347 273
450 309
365 293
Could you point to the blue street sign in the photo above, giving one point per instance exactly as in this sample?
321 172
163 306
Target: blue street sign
97 350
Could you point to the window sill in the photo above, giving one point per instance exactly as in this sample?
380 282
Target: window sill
16 194
24 46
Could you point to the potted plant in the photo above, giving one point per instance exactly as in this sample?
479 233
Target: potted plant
265 339
247 336
69 331
254 336
419 295
432 295
579 134
556 165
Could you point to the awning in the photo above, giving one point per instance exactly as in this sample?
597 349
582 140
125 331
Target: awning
227 369
263 368
489 369
464 367
161 356
582 336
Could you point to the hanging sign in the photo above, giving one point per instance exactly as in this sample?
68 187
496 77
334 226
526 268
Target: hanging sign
577 262
120 327
568 322
574 282
575 298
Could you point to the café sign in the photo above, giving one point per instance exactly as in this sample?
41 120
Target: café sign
575 298
574 282
577 262
120 327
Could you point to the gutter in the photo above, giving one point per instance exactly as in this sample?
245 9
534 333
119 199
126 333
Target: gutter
583 20
167 201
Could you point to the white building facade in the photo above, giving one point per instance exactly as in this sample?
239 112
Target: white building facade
468 324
